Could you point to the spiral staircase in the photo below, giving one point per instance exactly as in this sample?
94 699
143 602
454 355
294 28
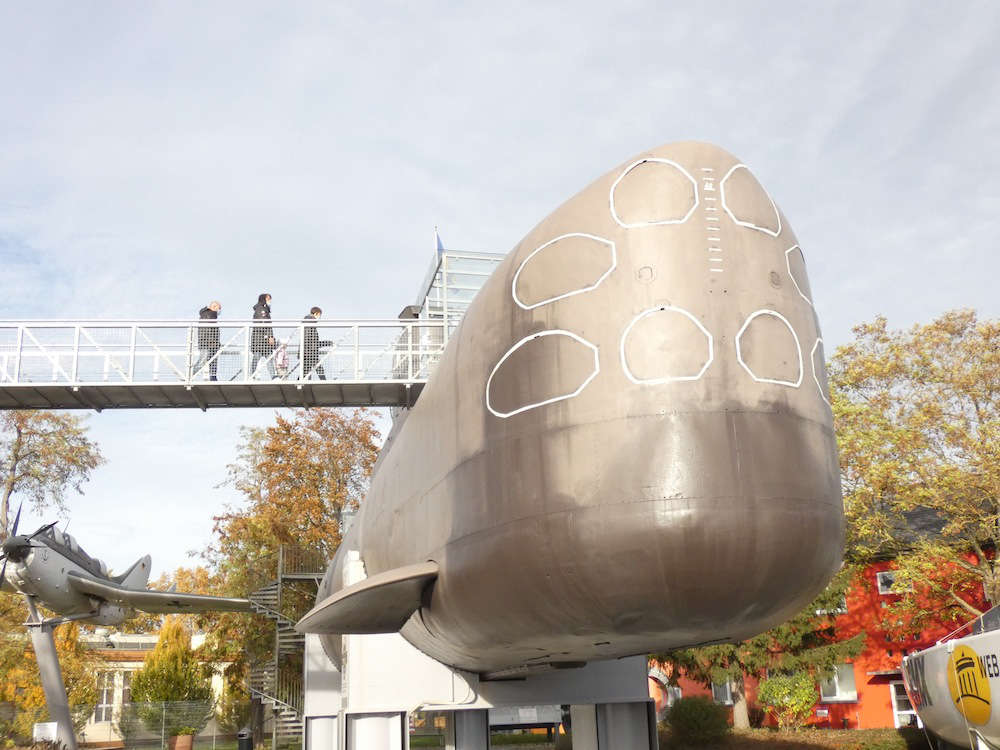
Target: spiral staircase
276 683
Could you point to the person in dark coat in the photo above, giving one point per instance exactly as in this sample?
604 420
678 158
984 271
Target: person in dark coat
310 346
262 343
208 340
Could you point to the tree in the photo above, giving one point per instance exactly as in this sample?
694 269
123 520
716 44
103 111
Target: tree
172 673
805 643
299 477
233 710
917 417
42 455
19 681
789 696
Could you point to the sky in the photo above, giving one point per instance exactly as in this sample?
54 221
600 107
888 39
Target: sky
157 155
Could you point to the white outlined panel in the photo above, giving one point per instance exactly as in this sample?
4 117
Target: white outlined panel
694 188
669 379
798 349
788 265
563 397
812 360
591 287
749 224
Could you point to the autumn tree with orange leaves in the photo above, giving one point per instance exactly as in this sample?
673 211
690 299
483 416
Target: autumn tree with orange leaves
20 685
299 477
917 417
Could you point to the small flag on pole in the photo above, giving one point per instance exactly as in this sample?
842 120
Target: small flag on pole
438 245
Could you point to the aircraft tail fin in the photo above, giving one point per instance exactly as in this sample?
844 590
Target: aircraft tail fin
137 576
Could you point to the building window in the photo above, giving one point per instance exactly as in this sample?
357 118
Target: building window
721 693
105 696
840 687
126 688
673 694
902 709
885 579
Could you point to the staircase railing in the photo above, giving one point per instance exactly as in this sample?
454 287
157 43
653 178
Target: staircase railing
278 682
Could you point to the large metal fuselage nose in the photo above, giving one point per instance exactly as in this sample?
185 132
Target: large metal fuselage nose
628 445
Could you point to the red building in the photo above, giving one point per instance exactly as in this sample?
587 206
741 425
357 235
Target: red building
864 694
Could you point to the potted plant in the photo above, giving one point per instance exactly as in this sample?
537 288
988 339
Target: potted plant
183 739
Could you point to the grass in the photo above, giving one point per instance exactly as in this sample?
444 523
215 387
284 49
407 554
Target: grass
533 741
815 739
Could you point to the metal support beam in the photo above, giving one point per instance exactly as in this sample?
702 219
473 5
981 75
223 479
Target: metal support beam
51 675
614 726
468 730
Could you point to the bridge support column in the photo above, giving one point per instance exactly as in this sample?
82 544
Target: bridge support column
383 731
468 730
51 676
614 726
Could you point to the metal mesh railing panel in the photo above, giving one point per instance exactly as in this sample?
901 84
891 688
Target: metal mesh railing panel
165 352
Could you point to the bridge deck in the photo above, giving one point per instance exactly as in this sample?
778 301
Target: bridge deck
180 364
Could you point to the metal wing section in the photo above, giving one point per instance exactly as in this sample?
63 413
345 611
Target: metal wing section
156 602
380 604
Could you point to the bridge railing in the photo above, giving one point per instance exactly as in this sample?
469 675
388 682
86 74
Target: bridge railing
62 352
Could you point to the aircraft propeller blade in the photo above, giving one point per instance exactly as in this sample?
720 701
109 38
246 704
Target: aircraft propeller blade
13 531
17 520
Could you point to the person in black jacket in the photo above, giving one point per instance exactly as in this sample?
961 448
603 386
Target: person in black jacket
262 343
208 340
310 346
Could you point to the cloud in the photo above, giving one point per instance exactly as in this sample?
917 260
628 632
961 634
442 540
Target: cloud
157 156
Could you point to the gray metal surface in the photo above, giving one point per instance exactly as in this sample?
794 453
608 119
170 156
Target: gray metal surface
209 395
380 604
157 602
50 675
627 445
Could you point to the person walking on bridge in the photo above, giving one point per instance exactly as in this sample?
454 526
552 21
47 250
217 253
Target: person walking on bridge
262 343
208 340
310 346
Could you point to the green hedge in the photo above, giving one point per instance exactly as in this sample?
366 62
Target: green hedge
697 721
518 739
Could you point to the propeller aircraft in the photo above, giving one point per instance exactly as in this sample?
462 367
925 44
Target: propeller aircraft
50 568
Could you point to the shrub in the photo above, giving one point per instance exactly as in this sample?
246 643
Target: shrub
790 697
697 720
171 692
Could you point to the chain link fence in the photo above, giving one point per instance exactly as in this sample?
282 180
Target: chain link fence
176 725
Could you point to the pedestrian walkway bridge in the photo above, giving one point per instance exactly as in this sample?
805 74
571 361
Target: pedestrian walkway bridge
66 364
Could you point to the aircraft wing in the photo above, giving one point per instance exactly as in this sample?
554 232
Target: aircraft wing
380 604
156 602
